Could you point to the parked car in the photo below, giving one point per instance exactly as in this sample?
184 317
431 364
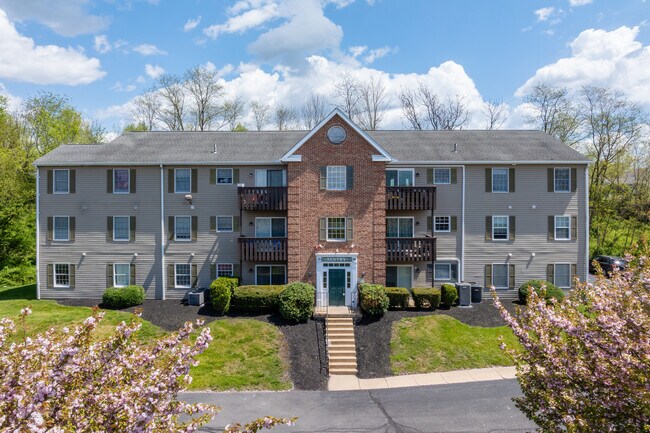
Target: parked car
607 263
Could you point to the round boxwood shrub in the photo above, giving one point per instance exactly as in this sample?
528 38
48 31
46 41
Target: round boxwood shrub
220 295
552 291
398 297
449 295
373 299
297 302
123 297
426 297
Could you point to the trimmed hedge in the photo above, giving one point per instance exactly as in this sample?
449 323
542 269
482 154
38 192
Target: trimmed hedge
426 297
256 299
297 302
231 282
220 294
552 291
398 297
449 295
373 299
123 297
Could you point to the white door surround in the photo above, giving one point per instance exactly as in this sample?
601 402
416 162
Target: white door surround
326 261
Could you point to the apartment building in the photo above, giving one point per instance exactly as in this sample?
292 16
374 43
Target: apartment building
333 206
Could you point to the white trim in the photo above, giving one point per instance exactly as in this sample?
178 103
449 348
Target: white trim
128 219
402 218
555 189
327 177
555 217
507 286
183 192
54 284
336 111
441 168
380 158
176 285
128 274
586 223
163 271
507 169
271 226
271 273
216 269
448 222
507 217
404 266
486 162
54 191
176 231
54 239
441 263
216 176
128 189
322 293
232 226
398 169
327 229
555 274
38 233
461 275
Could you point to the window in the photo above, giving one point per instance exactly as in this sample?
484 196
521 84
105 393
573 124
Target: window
224 176
183 180
441 176
442 224
500 227
270 275
399 227
500 276
562 275
562 180
121 274
224 224
61 181
183 278
121 228
336 175
264 177
499 180
61 228
399 276
121 181
401 177
562 227
61 275
224 269
335 229
270 228
183 228
442 271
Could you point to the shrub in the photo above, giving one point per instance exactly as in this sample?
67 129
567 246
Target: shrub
231 282
297 302
427 297
123 297
374 300
220 294
449 295
552 291
398 297
256 299
17 276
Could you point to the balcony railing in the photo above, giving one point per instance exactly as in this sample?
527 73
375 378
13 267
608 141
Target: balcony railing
410 249
263 198
410 197
263 249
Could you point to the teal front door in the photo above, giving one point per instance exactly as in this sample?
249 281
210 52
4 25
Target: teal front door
337 286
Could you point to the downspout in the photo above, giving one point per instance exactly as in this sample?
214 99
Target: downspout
462 231
38 232
162 233
587 223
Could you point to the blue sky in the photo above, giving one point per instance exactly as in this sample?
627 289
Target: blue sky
104 53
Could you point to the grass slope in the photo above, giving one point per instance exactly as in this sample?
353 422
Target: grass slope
441 343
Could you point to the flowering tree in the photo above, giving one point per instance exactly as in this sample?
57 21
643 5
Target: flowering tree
585 363
69 380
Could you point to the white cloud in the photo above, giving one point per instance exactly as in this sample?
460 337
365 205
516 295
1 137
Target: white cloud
66 18
22 60
378 54
119 87
244 21
357 50
191 24
153 71
543 14
101 44
149 50
13 102
575 3
140 79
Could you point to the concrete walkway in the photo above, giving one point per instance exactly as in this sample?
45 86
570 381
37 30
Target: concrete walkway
350 383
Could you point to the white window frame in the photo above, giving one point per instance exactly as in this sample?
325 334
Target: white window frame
435 276
128 181
555 169
257 219
54 274
412 170
402 218
448 223
261 177
128 228
176 275
507 217
175 183
67 191
555 265
507 180
271 272
54 238
448 170
507 275
568 227
327 229
345 176
176 238
128 274
232 179
230 273
231 224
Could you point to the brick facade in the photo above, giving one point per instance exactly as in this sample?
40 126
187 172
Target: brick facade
365 203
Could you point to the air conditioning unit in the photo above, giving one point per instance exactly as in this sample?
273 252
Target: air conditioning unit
196 297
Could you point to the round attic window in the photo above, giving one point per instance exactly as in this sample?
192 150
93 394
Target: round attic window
336 134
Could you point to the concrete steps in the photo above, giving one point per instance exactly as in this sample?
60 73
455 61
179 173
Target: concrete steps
341 349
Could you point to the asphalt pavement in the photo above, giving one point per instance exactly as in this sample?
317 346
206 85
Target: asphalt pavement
456 408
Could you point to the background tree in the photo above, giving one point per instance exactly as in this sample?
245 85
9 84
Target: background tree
347 96
171 111
231 112
495 113
554 112
145 109
285 117
205 91
423 109
373 103
313 110
261 114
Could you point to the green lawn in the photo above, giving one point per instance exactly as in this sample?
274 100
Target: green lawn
441 343
244 355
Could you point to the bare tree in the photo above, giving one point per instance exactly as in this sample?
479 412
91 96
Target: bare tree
285 117
231 112
373 103
496 113
409 102
554 113
423 109
205 91
145 108
172 110
313 111
261 114
346 95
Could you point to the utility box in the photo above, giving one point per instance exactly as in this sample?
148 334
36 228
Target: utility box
196 297
464 294
477 293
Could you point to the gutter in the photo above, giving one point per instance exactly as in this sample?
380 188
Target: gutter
162 233
38 233
462 232
586 223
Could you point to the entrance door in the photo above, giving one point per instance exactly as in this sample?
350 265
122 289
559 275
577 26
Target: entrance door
336 286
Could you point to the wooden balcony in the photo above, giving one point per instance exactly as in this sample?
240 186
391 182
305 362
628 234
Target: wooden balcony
410 197
263 249
410 249
262 198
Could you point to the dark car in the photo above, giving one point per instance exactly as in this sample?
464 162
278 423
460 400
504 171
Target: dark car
607 263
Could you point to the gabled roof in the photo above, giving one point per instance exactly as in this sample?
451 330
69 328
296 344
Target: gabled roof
383 155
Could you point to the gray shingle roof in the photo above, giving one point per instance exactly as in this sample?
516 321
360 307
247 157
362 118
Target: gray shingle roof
153 148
